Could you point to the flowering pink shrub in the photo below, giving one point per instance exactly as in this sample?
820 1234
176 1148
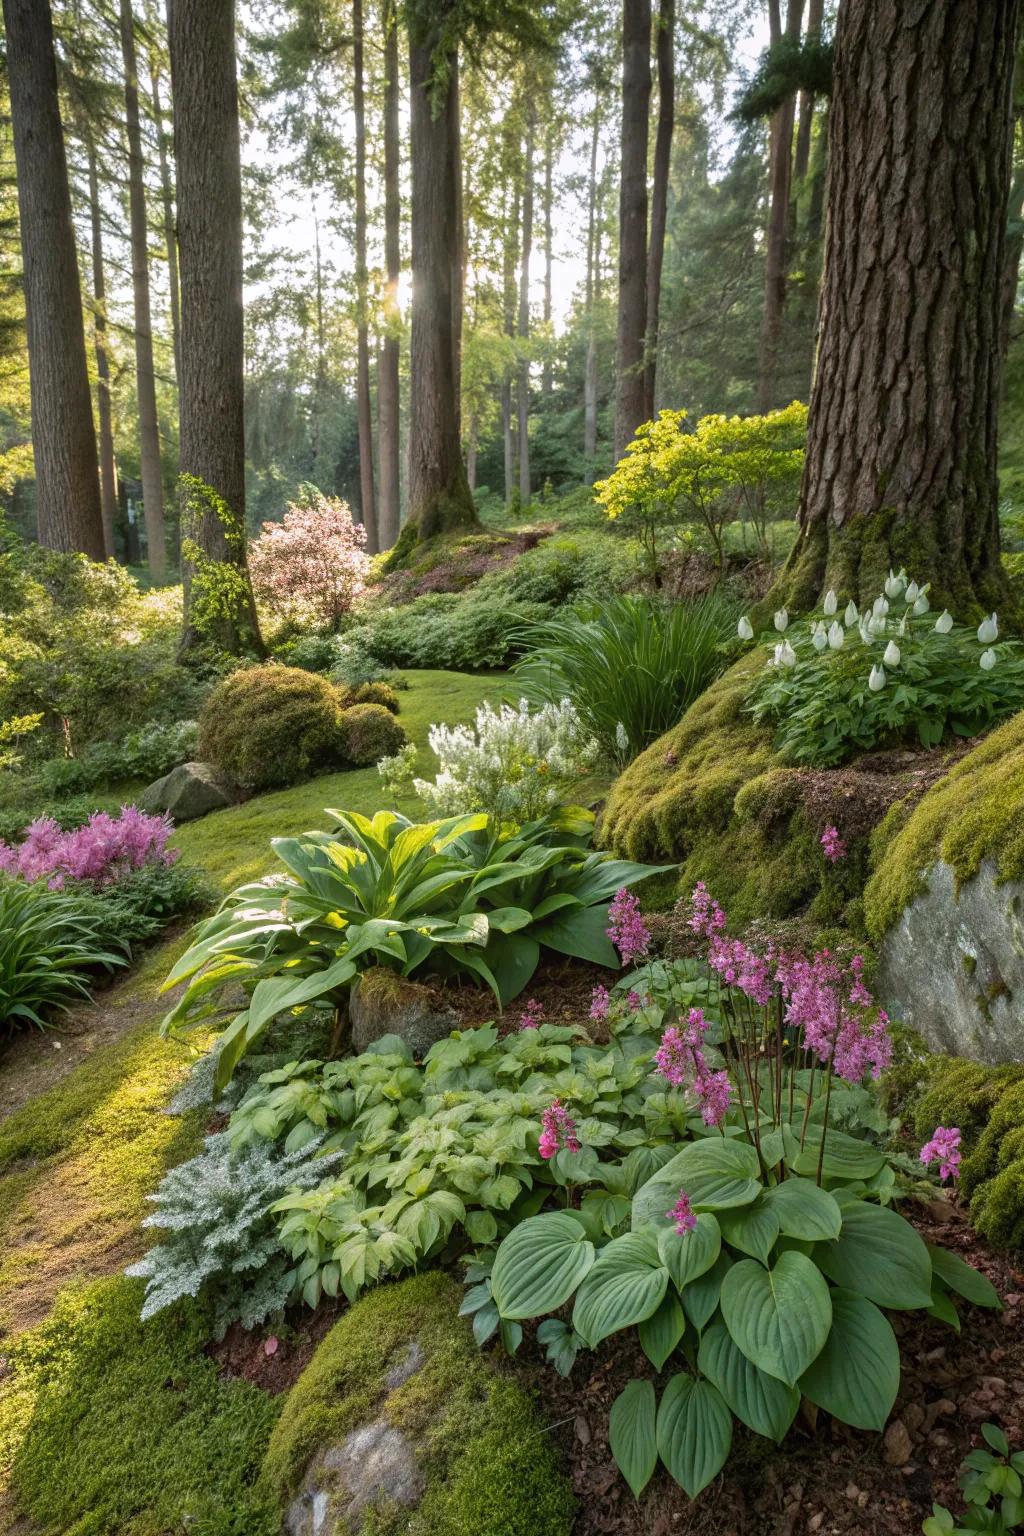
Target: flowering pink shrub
311 566
98 853
681 1061
944 1149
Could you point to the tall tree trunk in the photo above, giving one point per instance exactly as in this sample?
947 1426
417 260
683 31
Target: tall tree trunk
665 53
509 253
63 440
472 438
439 495
1014 235
547 379
636 101
167 204
219 606
802 158
320 374
145 381
364 414
781 176
108 469
590 364
902 435
388 397
524 314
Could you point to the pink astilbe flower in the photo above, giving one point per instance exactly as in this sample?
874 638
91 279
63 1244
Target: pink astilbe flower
706 917
557 1131
741 967
101 852
835 848
626 927
531 1014
682 1215
600 1002
634 1002
714 1094
944 1149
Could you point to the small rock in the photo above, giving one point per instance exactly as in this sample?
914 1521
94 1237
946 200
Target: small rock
816 1522
852 1492
897 1446
382 1003
913 1417
582 1429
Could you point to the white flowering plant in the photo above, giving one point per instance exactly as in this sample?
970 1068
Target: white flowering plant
846 680
515 763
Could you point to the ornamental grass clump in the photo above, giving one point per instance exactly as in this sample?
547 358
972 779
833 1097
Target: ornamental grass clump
838 684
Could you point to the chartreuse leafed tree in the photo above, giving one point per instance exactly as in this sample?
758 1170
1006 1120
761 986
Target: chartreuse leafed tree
901 450
219 607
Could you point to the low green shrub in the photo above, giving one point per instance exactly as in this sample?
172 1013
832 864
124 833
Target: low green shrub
369 732
373 693
51 942
313 652
992 1488
271 725
144 901
464 633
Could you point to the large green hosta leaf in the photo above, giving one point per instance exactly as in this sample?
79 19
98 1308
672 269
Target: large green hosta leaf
778 1317
625 1285
694 1432
765 1404
963 1278
661 1332
804 1211
857 1375
879 1255
688 1255
631 1434
717 1175
539 1265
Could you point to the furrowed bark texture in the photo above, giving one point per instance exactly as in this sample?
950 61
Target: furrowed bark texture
632 324
388 398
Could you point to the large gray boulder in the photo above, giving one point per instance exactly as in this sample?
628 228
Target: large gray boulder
382 1003
952 966
188 791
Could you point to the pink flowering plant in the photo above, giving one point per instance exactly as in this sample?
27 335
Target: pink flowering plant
311 566
100 853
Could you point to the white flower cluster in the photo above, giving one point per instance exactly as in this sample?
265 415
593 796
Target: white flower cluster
872 626
516 764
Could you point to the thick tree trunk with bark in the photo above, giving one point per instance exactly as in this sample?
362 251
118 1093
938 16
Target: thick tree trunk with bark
439 495
167 206
63 439
805 117
510 250
781 175
665 53
388 398
145 381
218 597
523 392
901 451
547 379
108 468
632 322
593 262
364 414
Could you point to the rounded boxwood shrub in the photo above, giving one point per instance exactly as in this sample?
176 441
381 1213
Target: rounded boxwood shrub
370 732
271 726
374 693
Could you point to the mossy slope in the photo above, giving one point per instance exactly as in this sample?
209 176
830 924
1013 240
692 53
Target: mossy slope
488 1466
975 812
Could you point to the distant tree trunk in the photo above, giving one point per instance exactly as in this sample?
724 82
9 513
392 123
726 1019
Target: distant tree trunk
219 606
458 246
524 314
63 440
509 253
1014 237
320 372
439 495
108 468
902 436
659 192
364 414
472 438
590 365
546 379
802 159
781 175
388 397
145 381
636 101
167 201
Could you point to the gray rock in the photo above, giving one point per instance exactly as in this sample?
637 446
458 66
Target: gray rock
953 966
188 791
382 1003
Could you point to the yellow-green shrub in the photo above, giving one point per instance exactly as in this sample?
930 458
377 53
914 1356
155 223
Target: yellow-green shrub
370 732
271 725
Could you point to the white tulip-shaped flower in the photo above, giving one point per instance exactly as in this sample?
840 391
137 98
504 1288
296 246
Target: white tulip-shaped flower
895 583
988 630
787 655
836 635
876 682
745 629
880 607
922 605
891 656
819 639
876 624
781 621
830 604
621 737
852 614
987 660
912 593
944 622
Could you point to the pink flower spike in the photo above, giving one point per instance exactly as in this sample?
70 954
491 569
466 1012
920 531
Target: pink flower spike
835 848
531 1014
600 1002
558 1131
682 1215
626 927
944 1149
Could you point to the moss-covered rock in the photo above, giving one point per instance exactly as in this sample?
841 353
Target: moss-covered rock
475 1433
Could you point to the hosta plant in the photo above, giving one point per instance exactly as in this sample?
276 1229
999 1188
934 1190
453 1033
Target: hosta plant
451 896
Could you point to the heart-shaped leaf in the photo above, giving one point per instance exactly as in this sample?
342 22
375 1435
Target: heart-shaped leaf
694 1432
765 1404
752 1230
804 1210
540 1264
778 1317
687 1255
624 1286
879 1255
700 1300
661 1332
632 1435
857 1375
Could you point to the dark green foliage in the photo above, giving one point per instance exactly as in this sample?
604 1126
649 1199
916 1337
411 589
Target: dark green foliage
137 906
131 1430
370 732
50 942
489 1467
467 633
374 693
313 653
784 69
272 725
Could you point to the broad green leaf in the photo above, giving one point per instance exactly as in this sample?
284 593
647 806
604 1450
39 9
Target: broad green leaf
715 1174
625 1285
963 1278
765 1404
539 1265
694 1432
857 1375
631 1434
582 934
661 1332
752 1230
780 1317
942 1308
701 1297
688 1255
879 1255
804 1210
845 1156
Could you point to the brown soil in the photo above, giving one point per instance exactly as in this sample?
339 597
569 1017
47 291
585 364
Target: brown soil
562 987
274 1360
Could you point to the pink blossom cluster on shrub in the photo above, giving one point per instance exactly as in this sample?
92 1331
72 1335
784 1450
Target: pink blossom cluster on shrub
101 852
311 566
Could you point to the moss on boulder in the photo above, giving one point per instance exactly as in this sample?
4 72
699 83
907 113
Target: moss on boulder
974 813
402 1360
